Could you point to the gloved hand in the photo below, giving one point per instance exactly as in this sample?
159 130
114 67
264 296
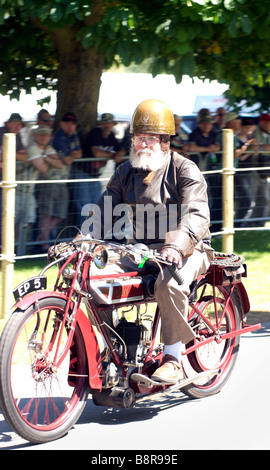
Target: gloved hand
59 250
172 254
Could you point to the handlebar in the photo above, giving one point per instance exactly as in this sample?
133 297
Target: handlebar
139 254
176 273
147 254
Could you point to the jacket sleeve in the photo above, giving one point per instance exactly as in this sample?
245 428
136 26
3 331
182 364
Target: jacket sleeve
193 209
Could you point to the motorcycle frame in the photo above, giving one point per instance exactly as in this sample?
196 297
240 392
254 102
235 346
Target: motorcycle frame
75 316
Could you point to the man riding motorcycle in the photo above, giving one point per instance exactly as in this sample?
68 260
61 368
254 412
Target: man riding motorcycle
158 178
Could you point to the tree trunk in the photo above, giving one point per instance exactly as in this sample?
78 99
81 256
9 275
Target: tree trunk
79 79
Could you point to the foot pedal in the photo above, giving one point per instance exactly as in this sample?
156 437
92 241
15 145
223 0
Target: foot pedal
146 381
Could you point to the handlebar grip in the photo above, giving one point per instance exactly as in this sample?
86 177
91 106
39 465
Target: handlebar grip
176 273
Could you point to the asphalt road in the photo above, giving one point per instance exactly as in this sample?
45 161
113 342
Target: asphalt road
236 418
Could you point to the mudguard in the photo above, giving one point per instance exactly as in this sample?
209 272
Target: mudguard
243 296
30 299
90 340
92 351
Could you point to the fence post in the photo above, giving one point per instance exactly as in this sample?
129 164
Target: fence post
8 218
228 190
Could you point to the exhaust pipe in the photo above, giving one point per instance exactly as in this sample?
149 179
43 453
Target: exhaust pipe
116 397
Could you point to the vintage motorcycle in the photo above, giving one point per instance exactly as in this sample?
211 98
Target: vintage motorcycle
100 334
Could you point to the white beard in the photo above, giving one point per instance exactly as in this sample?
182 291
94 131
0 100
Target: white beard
148 159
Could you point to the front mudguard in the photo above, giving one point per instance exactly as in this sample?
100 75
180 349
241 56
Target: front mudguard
89 337
29 299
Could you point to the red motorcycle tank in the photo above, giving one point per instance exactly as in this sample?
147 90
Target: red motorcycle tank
117 290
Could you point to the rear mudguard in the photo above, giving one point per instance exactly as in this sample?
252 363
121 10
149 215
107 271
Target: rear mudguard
243 297
90 340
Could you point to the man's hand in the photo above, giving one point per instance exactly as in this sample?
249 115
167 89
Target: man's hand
172 254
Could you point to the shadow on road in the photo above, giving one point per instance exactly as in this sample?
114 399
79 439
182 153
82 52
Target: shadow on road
103 416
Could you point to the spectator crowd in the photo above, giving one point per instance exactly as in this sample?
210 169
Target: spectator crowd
251 147
50 157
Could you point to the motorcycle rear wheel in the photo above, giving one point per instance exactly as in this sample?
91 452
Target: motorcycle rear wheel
214 355
40 403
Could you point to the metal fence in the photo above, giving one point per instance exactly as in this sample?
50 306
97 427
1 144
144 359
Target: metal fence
249 206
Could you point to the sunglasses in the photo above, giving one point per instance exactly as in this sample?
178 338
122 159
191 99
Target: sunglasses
150 140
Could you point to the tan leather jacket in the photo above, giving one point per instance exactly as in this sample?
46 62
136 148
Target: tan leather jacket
168 206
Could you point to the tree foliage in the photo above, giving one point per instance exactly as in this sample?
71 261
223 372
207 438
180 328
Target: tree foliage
225 40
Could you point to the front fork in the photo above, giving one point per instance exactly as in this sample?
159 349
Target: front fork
68 322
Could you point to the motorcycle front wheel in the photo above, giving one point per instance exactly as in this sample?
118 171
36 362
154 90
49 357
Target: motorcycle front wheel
41 402
224 316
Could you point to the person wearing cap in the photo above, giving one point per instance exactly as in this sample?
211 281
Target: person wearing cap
101 145
262 198
52 198
203 141
14 125
41 154
231 121
177 143
219 121
66 141
44 118
262 132
244 180
157 177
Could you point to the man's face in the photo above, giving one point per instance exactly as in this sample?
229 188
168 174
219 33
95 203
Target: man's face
219 117
247 130
14 126
68 127
42 139
205 126
106 127
45 119
146 152
265 126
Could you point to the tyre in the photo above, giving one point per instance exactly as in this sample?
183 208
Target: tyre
41 402
224 316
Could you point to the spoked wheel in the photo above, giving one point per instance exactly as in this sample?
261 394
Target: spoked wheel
217 354
41 402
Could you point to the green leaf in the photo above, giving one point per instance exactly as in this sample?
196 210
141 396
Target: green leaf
182 34
232 28
188 65
246 24
56 13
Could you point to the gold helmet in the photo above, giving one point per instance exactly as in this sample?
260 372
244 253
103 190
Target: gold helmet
152 117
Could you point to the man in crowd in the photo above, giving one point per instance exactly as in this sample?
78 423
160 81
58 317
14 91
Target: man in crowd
14 125
101 146
52 198
66 141
262 137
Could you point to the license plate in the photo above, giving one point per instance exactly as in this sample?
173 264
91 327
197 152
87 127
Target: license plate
31 285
